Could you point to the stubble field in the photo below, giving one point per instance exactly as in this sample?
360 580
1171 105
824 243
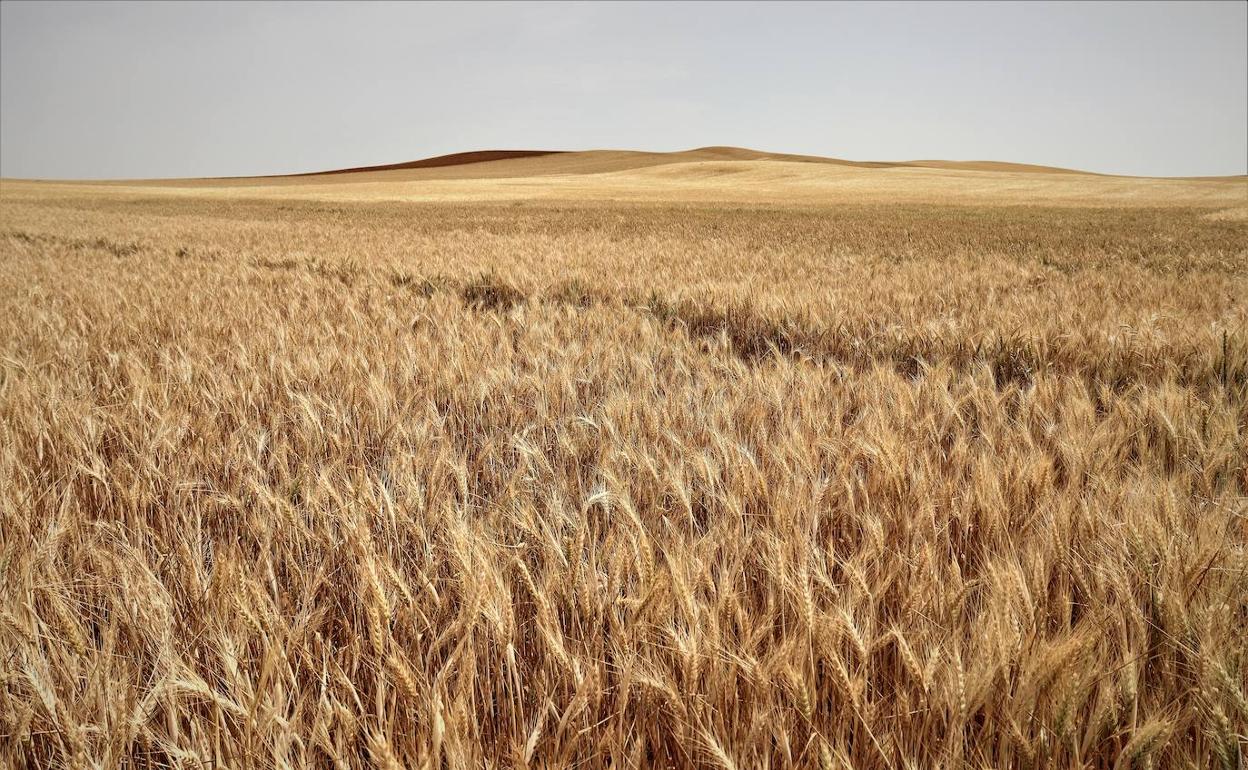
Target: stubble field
295 478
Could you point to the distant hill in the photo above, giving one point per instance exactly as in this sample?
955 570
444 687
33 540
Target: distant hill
719 175
600 161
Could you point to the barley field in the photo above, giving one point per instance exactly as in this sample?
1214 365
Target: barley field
675 465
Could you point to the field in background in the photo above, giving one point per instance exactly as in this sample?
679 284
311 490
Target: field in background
706 462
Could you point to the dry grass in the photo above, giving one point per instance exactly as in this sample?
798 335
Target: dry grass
297 483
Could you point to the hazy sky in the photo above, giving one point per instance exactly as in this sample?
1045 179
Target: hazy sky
180 89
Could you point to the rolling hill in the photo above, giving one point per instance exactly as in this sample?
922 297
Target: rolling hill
713 175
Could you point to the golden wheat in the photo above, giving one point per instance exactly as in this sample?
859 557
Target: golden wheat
294 483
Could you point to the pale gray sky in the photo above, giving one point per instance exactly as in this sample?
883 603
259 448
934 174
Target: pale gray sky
180 89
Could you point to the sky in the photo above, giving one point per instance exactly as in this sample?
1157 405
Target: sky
122 90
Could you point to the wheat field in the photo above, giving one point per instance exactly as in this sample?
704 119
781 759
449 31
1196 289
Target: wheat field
717 461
